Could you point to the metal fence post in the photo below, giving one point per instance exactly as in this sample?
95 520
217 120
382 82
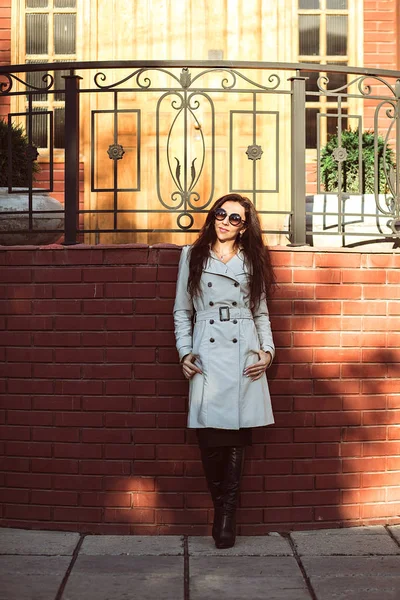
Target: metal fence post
298 151
71 198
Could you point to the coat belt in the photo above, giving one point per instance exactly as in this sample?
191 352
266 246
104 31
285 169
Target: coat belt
223 313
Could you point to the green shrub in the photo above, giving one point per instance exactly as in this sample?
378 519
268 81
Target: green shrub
20 156
352 180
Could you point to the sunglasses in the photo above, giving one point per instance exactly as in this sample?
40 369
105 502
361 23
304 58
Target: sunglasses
234 218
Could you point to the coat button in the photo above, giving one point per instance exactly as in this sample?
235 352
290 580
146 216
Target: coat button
209 284
212 340
234 303
234 321
211 303
211 321
236 284
234 340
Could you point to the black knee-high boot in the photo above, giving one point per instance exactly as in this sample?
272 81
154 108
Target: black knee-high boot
233 472
214 464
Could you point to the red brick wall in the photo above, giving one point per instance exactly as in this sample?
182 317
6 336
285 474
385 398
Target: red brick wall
381 49
93 402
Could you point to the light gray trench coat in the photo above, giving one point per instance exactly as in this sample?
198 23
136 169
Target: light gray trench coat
225 337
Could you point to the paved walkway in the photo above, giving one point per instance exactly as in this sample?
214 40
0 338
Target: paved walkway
339 564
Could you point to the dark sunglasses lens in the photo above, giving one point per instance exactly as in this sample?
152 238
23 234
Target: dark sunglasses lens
220 214
235 219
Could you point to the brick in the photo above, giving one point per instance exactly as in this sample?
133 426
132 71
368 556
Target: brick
380 292
159 467
355 465
104 274
107 339
320 465
330 387
31 323
51 307
318 403
316 339
317 307
57 275
287 258
78 515
105 467
51 339
317 276
17 275
142 515
364 433
118 306
286 514
132 290
79 355
330 513
28 513
343 291
379 510
343 259
313 434
143 274
365 308
341 355
102 499
189 517
380 479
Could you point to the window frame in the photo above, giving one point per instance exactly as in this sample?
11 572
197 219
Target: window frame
354 57
19 56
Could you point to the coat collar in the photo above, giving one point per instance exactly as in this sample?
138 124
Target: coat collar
231 269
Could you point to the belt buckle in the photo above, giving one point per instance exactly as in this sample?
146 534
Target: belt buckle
227 313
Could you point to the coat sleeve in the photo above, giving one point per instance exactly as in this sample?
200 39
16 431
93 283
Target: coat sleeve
183 308
263 326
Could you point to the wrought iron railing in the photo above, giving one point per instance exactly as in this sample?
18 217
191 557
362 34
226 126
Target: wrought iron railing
203 119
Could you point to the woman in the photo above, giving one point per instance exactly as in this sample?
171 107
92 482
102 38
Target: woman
224 340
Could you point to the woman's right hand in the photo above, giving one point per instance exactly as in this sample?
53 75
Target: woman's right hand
188 367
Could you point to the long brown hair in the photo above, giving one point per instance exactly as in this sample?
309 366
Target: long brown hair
257 256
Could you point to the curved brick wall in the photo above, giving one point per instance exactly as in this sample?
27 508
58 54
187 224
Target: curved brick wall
93 401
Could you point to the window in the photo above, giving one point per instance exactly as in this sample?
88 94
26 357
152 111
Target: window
323 39
50 36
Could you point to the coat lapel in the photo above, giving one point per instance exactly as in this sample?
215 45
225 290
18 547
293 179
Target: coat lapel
230 269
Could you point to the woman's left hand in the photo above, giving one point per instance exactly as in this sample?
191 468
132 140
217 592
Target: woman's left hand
258 369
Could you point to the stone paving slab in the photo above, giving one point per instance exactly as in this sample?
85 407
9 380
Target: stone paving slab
354 578
163 545
126 578
49 543
353 541
395 530
266 545
239 578
31 577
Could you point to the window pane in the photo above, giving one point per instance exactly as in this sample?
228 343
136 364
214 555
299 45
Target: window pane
311 127
309 35
311 84
37 34
59 83
36 3
64 3
59 127
336 80
64 34
39 129
336 31
336 4
304 4
332 124
35 79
